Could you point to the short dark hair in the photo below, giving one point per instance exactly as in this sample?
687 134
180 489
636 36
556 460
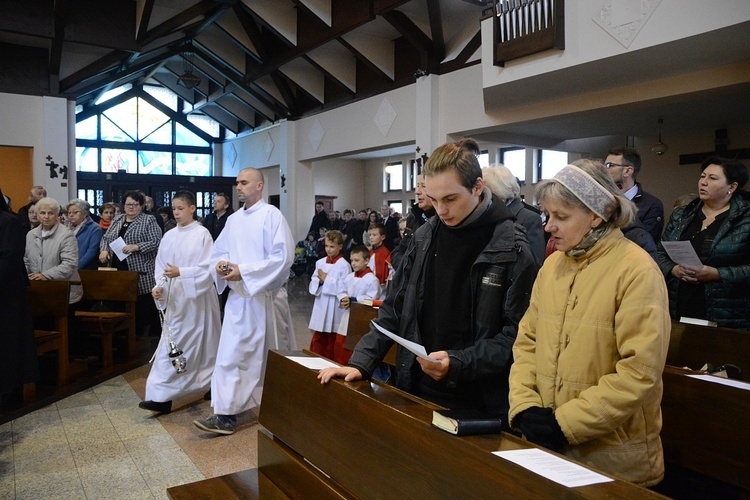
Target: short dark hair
630 155
227 198
362 250
188 198
460 156
377 225
734 171
136 196
318 203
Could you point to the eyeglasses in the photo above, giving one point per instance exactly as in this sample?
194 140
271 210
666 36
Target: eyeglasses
132 205
609 165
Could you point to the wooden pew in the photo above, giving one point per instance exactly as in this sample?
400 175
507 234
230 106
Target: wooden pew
48 300
705 427
693 346
109 286
359 325
366 440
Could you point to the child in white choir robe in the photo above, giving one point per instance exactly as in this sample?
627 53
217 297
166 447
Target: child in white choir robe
325 284
190 304
360 285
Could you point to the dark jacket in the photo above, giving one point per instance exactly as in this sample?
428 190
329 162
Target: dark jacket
727 300
530 218
501 281
414 221
320 219
650 212
636 232
214 224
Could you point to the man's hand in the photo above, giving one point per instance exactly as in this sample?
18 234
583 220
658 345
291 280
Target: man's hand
37 277
132 248
156 293
348 373
345 302
228 271
322 275
103 256
438 371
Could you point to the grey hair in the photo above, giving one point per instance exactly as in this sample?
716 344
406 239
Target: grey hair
48 203
622 214
82 205
501 182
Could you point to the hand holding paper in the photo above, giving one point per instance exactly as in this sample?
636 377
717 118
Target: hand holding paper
417 349
117 246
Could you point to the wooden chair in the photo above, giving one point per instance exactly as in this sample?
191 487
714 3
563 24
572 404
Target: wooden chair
109 286
49 300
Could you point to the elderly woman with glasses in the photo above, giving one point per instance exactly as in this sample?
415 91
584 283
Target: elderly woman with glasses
591 347
88 233
51 250
142 236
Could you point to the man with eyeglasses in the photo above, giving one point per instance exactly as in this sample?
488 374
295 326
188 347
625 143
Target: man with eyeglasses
624 165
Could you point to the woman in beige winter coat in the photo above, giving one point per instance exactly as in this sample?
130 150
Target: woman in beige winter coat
590 350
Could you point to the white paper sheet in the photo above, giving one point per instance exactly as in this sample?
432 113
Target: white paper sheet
313 362
683 253
553 467
724 381
117 247
417 349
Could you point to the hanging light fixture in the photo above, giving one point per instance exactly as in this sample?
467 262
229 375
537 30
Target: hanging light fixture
660 148
187 79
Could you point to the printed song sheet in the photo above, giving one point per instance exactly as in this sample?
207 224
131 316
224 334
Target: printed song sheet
313 362
683 253
553 467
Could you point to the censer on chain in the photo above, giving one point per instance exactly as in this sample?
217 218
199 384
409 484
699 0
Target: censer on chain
174 352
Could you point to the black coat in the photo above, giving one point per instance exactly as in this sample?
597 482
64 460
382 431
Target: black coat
216 224
18 361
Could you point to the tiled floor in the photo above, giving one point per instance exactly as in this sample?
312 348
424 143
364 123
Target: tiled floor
97 444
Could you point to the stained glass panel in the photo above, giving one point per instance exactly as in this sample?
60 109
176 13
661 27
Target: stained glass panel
185 137
154 162
87 159
149 118
115 160
193 164
86 129
125 116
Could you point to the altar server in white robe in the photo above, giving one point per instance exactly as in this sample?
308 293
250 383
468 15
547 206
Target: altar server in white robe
186 295
253 256
325 284
358 286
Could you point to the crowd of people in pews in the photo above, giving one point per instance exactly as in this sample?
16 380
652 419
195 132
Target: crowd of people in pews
554 318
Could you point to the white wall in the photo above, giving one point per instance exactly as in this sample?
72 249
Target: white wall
41 123
344 179
587 41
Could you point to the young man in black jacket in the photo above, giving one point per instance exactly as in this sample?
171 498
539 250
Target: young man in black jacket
463 287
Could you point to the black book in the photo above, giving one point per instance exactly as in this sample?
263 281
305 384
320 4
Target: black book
466 422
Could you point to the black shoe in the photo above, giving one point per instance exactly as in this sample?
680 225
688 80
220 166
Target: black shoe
165 407
207 396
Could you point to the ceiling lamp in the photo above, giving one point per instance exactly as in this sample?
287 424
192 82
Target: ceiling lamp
187 79
660 148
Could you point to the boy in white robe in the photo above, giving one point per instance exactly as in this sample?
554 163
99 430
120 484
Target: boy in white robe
185 293
252 256
360 285
326 283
